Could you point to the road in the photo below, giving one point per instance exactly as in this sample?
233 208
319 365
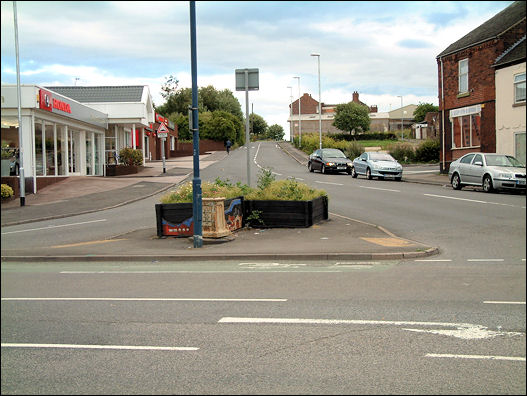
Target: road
450 324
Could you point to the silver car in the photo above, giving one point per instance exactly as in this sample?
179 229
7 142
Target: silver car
490 171
375 164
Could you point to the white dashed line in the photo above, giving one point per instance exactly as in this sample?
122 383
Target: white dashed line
121 347
447 355
382 189
505 302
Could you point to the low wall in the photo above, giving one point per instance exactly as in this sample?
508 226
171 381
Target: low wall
42 181
184 149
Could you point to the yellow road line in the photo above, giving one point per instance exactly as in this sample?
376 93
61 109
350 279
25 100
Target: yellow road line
86 243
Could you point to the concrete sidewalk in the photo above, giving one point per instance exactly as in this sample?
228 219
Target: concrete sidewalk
338 238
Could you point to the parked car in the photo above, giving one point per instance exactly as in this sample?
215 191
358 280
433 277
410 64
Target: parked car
488 170
329 160
376 164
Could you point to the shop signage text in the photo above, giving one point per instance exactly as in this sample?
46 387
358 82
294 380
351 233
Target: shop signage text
47 102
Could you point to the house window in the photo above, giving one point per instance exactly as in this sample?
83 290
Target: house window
463 76
519 88
466 131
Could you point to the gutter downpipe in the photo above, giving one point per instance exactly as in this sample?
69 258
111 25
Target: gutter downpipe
442 115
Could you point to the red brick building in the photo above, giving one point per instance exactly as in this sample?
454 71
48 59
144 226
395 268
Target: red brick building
466 84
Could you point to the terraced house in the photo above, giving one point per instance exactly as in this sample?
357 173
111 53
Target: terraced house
481 84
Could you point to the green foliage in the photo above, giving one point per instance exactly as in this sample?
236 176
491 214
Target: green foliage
428 151
365 136
129 156
275 132
268 189
254 219
402 152
421 110
354 150
265 178
351 117
7 191
258 125
7 152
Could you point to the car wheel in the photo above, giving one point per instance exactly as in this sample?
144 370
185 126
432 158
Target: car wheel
310 167
323 170
487 184
456 182
353 172
398 178
348 171
368 174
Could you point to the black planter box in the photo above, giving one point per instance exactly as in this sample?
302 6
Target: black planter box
177 219
120 170
285 214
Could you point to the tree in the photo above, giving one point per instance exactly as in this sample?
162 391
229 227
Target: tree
351 117
275 132
421 110
169 86
258 125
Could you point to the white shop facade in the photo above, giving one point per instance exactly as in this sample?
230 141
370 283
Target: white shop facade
60 136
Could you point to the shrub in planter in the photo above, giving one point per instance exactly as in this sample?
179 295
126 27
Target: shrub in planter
7 191
129 156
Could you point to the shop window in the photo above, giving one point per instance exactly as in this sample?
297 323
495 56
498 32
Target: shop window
50 150
39 158
110 148
466 131
519 147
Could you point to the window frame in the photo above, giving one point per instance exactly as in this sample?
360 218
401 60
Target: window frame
516 83
462 76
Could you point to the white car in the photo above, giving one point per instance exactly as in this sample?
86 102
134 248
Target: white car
490 171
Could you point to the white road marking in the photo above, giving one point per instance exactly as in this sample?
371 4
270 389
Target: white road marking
141 299
78 346
447 355
52 226
483 260
474 200
382 189
462 330
434 260
424 171
504 302
335 184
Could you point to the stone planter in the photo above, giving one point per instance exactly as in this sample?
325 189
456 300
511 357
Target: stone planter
120 170
176 219
285 214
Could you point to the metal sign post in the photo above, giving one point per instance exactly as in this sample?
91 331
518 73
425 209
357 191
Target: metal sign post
247 80
162 133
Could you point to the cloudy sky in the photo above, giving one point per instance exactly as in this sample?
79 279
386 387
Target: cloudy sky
380 49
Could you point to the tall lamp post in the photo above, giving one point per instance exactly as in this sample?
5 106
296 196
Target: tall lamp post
290 113
319 103
402 129
299 115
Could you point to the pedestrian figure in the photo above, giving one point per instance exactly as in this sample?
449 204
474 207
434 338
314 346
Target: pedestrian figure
228 144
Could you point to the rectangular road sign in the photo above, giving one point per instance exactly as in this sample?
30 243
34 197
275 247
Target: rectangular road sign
254 84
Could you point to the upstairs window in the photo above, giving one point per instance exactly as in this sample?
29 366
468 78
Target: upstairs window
463 76
519 88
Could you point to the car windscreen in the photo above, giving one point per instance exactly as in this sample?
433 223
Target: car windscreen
381 157
333 154
503 160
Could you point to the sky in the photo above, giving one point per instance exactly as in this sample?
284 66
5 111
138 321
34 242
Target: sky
381 49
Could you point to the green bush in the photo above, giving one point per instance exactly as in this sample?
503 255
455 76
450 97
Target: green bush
268 189
354 150
402 152
7 191
129 156
428 151
365 136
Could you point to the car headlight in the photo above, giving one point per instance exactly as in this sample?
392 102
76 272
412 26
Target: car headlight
329 164
506 175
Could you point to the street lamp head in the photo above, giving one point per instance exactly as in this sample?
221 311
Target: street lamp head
296 77
315 54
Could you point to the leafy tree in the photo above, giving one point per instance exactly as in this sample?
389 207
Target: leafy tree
169 86
351 117
275 132
258 125
421 110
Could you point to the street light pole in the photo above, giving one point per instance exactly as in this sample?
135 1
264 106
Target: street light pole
290 113
402 129
299 115
319 103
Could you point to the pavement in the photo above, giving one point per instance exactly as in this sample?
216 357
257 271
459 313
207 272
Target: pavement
338 238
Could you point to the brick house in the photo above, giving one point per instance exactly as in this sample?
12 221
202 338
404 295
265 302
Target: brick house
466 84
309 118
